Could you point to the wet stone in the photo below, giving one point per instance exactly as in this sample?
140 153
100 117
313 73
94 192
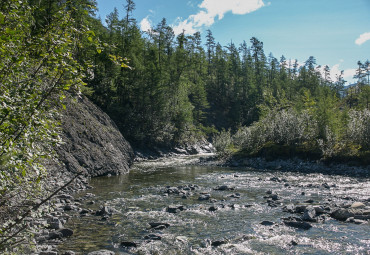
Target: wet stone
212 209
175 208
298 224
224 188
128 244
267 223
204 197
153 237
218 243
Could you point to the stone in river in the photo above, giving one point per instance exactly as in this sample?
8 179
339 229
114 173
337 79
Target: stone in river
298 224
152 237
218 243
309 214
204 197
267 223
358 205
128 244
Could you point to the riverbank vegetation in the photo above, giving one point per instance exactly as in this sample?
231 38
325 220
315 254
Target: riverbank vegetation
178 89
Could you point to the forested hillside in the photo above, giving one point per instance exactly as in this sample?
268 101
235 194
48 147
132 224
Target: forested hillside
180 88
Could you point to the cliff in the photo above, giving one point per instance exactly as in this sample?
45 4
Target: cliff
92 143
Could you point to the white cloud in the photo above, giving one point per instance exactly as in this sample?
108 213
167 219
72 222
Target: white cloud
335 71
363 38
145 24
212 9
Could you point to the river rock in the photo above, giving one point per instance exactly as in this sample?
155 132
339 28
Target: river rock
298 224
267 223
153 237
309 214
128 244
224 188
104 211
204 197
182 239
342 214
68 253
66 232
358 205
175 208
356 221
101 252
235 195
218 243
213 208
54 223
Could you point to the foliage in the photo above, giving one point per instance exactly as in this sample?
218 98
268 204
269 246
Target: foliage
37 66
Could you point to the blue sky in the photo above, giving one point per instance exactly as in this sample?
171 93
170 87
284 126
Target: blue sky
335 32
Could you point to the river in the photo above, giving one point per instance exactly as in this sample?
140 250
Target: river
215 210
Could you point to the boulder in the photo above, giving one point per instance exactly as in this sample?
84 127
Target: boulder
342 214
92 143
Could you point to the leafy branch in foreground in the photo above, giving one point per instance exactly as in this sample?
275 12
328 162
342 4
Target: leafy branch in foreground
37 66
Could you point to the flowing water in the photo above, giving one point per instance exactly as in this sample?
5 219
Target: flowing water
141 197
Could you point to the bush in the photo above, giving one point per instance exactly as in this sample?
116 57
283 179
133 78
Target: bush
358 128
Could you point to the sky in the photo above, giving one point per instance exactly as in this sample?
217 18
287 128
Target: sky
335 32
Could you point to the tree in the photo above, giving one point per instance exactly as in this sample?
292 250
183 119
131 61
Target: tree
38 65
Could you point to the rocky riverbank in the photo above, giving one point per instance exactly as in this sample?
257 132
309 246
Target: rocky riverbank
92 146
290 165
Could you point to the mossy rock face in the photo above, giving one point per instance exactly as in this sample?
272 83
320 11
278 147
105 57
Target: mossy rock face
92 142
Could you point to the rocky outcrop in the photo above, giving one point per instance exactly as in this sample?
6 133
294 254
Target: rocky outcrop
92 143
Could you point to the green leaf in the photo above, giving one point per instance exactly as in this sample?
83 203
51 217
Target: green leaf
90 39
24 173
2 18
98 50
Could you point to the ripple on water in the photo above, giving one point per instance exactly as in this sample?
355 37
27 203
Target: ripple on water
139 198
